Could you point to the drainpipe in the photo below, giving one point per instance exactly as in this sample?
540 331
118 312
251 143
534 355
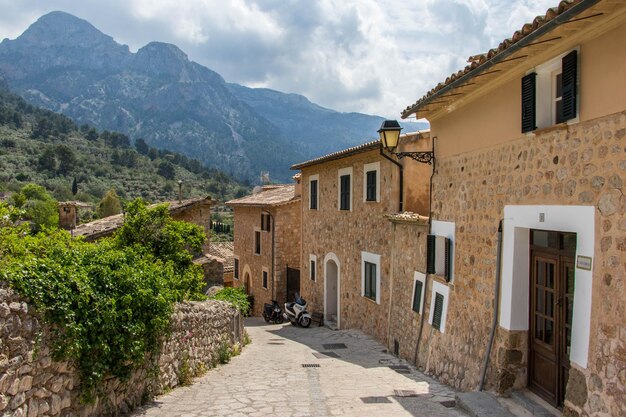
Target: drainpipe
273 251
496 306
401 167
430 229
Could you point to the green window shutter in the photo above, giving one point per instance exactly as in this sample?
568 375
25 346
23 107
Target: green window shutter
448 260
236 268
430 254
344 203
529 103
370 188
417 296
370 280
568 79
438 311
313 195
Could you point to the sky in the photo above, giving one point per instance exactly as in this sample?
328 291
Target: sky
368 56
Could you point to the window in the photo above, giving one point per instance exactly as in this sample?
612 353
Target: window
440 250
438 306
257 242
265 274
236 269
313 192
266 222
418 292
312 267
550 93
371 182
370 276
345 189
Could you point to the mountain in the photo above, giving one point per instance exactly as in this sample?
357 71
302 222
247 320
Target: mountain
49 149
65 64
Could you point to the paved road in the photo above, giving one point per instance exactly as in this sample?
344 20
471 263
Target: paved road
269 379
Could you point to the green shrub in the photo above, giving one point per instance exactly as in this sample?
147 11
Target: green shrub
235 296
108 303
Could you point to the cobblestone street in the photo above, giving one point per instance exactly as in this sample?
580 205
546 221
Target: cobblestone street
289 371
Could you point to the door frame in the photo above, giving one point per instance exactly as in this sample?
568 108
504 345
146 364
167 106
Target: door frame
515 291
332 257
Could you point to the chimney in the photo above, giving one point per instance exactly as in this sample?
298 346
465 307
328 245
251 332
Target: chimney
298 186
67 215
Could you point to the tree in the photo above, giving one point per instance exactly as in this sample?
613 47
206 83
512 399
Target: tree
38 205
153 154
109 205
47 161
91 135
141 146
74 186
66 157
166 170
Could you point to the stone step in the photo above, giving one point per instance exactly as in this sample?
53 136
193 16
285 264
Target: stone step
533 404
481 404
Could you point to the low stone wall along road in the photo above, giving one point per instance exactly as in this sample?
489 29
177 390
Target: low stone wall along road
291 371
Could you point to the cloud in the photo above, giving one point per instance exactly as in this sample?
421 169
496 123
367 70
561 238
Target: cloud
372 56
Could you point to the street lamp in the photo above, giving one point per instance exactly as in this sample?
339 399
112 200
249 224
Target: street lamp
390 136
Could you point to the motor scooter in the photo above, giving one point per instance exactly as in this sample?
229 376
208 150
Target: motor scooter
272 312
296 312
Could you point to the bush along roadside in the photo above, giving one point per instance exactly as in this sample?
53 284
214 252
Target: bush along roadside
235 296
108 304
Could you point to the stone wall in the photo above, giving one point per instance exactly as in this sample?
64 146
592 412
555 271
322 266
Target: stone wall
345 234
286 224
32 384
578 164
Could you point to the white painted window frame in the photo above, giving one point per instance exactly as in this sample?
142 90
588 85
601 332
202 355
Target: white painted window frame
375 259
374 166
418 276
312 258
340 173
315 177
446 229
545 89
442 289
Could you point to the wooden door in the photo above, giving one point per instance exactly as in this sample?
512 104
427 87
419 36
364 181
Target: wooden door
551 306
293 283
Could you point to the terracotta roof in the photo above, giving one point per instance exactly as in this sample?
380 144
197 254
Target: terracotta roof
365 147
107 225
478 64
223 252
274 195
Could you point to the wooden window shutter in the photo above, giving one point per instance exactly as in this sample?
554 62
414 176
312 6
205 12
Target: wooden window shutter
438 311
570 73
528 103
448 260
417 296
430 254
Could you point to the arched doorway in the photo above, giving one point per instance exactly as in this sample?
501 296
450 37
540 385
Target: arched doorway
332 301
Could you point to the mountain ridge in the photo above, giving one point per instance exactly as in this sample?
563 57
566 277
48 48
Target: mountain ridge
65 64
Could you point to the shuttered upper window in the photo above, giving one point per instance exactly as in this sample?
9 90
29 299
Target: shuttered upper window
550 94
438 306
371 182
345 189
313 192
418 292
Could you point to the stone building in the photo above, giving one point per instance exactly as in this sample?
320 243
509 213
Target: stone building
267 243
530 135
68 213
194 210
346 237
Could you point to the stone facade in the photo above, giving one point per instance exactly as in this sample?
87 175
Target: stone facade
33 384
280 245
340 237
579 164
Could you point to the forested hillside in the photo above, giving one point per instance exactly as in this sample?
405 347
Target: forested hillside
80 163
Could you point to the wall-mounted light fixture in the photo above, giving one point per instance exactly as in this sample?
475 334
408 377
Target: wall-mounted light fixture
390 136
